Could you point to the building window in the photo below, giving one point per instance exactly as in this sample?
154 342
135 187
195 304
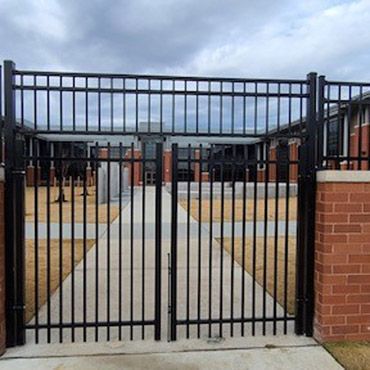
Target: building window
335 137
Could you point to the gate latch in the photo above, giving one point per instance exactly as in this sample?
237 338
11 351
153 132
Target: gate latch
19 307
19 172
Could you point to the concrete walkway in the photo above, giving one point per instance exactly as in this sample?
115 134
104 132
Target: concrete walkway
278 352
131 288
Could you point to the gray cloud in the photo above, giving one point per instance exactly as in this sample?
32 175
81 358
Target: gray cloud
236 37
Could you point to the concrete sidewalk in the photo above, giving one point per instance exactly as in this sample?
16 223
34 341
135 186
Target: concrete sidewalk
126 269
284 353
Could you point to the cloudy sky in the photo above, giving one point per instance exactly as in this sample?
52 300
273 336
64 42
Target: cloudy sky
241 38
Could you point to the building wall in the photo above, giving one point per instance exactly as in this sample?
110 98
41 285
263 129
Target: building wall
360 146
274 170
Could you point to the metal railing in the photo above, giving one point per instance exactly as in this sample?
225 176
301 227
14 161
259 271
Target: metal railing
120 104
343 125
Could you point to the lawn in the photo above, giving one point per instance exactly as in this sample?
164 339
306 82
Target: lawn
54 270
270 258
238 212
351 355
67 206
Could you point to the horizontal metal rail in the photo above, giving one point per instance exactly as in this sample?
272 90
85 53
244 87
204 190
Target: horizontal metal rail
92 324
155 77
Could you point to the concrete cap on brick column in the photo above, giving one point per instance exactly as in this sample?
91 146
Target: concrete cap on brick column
343 176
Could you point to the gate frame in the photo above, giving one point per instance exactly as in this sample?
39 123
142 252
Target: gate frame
15 227
304 312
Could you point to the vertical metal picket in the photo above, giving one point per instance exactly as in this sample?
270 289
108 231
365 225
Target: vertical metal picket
158 240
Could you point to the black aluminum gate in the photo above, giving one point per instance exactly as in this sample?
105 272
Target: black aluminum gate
86 231
245 267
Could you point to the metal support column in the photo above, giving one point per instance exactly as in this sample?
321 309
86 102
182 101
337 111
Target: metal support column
14 215
306 218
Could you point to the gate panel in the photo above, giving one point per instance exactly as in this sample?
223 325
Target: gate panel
233 247
241 253
93 243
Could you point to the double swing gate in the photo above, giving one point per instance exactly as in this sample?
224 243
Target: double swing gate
157 207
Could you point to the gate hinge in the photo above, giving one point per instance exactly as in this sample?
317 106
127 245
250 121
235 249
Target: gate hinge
302 300
308 176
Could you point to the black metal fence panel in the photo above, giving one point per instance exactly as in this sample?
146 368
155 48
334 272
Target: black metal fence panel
234 245
93 104
105 184
93 244
343 125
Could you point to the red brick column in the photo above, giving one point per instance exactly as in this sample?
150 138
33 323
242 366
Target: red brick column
272 166
293 156
355 147
30 175
136 180
198 175
261 175
205 177
167 166
342 256
52 175
2 264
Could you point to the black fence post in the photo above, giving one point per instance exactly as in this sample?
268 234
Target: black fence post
306 219
320 122
311 204
14 214
158 240
174 206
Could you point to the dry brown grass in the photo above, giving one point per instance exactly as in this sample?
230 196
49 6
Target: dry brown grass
260 207
351 355
54 270
66 206
238 249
